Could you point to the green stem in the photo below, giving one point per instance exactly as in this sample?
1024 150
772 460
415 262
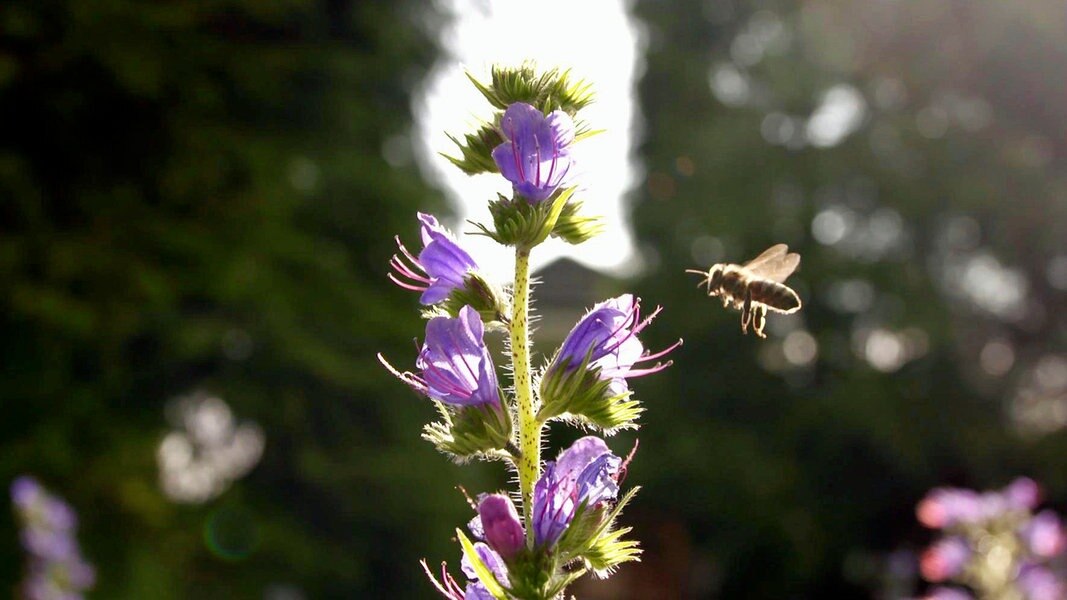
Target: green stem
529 463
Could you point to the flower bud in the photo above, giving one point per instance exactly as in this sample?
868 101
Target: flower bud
501 525
574 228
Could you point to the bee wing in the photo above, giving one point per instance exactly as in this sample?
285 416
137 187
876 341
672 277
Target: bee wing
779 268
769 254
776 263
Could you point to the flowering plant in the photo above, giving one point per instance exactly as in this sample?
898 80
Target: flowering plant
992 543
55 567
565 521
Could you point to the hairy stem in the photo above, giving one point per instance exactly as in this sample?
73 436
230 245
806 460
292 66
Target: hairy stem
529 463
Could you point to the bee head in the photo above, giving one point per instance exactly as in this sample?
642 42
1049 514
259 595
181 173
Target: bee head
714 277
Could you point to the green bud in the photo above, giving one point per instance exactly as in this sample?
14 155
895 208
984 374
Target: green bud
470 432
581 395
481 295
548 91
574 228
476 150
593 538
517 222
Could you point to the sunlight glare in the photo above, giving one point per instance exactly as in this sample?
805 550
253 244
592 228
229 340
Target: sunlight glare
481 34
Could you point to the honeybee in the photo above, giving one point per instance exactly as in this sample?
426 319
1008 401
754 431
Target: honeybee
755 286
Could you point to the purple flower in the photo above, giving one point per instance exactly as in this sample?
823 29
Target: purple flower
1044 534
475 589
1022 494
944 559
500 525
945 507
947 593
455 362
440 268
1039 583
55 568
584 473
535 156
607 334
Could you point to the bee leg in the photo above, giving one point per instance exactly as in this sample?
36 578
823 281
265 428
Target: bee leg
759 320
746 313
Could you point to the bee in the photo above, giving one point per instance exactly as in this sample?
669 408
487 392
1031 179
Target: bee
755 286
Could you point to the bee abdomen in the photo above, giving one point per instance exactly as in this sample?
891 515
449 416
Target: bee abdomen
776 296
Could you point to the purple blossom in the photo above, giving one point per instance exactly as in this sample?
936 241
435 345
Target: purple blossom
947 593
1039 583
55 568
476 590
1043 534
1022 494
584 473
500 525
455 362
607 334
945 507
535 155
945 559
440 268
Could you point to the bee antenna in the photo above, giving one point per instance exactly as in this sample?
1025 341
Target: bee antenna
706 274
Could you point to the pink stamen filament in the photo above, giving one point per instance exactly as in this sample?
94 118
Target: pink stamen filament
537 158
442 381
627 372
450 591
410 271
407 254
406 286
515 151
414 381
626 323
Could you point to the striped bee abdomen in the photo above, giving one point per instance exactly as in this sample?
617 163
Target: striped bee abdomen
775 296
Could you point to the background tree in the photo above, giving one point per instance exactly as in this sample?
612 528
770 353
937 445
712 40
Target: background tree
194 198
914 154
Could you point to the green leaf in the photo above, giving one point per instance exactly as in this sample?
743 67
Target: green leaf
485 575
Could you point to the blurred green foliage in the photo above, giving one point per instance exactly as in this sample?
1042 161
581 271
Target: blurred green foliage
195 197
796 479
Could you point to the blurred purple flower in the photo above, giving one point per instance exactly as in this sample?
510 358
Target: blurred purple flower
584 473
1043 534
500 525
476 590
56 569
945 507
1022 494
947 593
1038 583
455 363
607 334
535 156
944 559
439 269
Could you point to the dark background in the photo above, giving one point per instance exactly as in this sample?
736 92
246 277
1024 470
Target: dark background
195 196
